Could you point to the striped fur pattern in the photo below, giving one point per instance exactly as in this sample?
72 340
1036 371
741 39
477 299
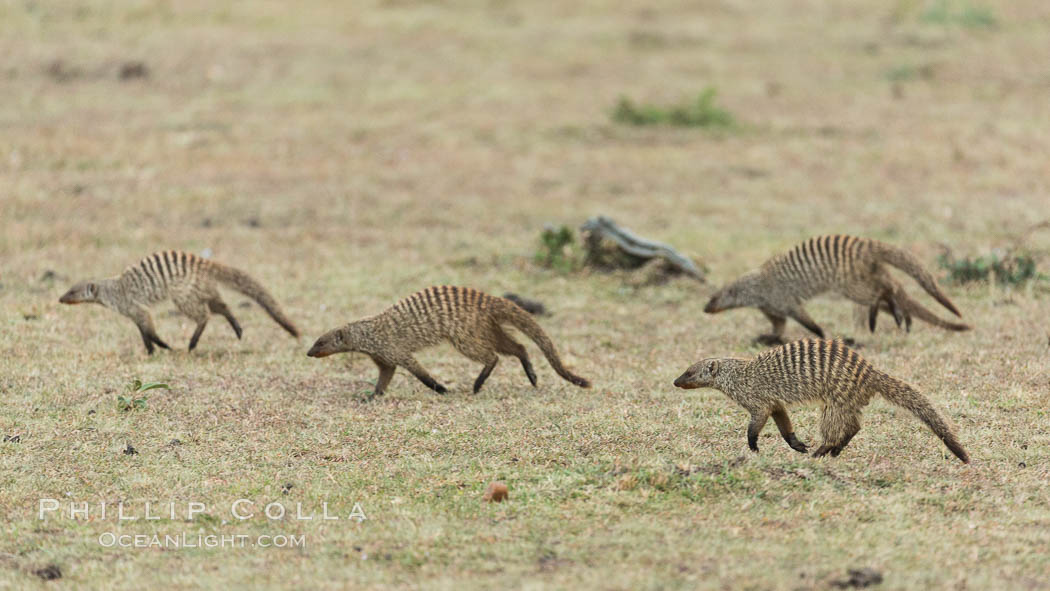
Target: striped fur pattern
469 319
812 370
188 280
853 267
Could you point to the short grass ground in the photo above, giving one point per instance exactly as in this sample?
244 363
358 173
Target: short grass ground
348 154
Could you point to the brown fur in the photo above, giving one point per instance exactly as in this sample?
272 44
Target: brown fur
469 319
188 280
853 267
812 370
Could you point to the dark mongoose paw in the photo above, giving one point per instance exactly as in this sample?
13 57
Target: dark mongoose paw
769 340
797 445
850 342
835 451
439 388
530 374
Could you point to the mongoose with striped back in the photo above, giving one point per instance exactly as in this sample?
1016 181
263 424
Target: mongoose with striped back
471 320
189 280
812 370
853 267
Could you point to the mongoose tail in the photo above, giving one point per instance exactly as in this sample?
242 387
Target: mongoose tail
909 264
905 396
517 317
243 283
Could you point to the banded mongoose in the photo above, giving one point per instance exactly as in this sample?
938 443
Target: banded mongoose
469 319
853 267
189 280
811 370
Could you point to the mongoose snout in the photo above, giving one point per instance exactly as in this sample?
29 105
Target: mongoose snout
320 349
80 293
712 305
697 376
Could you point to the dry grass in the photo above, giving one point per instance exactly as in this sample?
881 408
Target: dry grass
349 154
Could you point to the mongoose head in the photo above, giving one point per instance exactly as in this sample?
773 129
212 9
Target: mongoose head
85 292
699 375
738 294
345 339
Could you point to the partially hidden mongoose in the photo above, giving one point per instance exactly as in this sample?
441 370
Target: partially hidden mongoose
853 267
469 319
812 370
190 282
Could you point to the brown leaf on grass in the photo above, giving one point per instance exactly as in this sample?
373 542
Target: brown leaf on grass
497 492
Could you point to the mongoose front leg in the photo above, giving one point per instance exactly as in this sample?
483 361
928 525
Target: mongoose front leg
142 319
146 340
421 374
780 416
217 306
386 373
758 420
776 337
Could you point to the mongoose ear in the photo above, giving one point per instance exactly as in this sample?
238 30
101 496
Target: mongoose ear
712 367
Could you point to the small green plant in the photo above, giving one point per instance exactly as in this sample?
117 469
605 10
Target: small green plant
1005 268
135 400
908 72
557 249
964 14
701 113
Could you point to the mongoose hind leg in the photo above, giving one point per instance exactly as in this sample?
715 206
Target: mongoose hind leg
780 416
142 319
838 426
758 420
508 346
894 306
193 307
217 306
888 303
483 352
421 374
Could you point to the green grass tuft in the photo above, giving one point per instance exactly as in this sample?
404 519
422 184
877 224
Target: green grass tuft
701 113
